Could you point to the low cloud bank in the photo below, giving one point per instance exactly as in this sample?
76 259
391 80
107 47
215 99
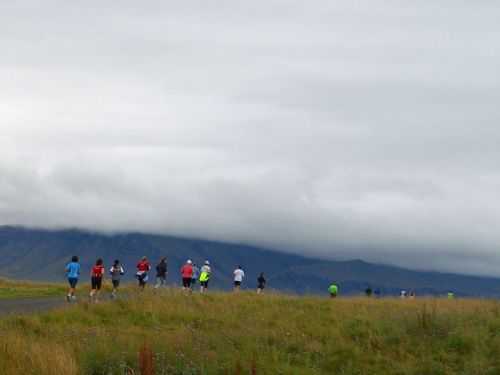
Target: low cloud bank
340 130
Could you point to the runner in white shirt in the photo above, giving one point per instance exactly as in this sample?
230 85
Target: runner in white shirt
239 274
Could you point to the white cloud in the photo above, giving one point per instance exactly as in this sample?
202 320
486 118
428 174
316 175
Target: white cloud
341 129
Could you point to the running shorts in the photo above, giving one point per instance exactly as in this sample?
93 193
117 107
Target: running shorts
72 281
96 282
186 282
142 277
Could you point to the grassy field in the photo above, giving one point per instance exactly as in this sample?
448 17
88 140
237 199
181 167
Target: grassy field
21 289
173 333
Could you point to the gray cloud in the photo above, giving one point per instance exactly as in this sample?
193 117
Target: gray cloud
338 129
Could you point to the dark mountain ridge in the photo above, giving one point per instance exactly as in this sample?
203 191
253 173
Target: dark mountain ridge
36 254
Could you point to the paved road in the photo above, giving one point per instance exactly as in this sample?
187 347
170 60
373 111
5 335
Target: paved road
29 305
33 305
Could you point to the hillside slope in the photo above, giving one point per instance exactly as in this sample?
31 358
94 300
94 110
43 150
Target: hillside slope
41 255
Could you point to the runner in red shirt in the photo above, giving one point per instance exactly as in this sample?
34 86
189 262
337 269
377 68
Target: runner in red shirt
143 268
96 275
187 274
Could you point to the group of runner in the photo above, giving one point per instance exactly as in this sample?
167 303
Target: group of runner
190 275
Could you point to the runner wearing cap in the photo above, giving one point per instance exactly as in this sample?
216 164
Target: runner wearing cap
187 274
205 274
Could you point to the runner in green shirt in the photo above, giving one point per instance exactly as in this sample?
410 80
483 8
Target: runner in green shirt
206 271
334 290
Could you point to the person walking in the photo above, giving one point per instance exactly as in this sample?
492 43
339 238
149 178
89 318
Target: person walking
96 276
143 267
116 271
239 275
261 283
187 275
72 273
205 274
161 273
333 289
196 275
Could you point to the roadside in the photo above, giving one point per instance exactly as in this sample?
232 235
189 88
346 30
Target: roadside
10 289
29 305
29 297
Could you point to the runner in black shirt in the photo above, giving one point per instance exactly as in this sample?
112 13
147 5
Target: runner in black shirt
261 283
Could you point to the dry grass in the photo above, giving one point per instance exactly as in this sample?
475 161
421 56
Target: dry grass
21 355
173 333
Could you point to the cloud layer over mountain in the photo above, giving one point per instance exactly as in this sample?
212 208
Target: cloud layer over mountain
364 129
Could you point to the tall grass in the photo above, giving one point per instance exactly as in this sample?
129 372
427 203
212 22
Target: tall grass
22 355
174 333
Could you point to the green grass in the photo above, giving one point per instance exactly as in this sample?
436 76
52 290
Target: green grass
249 334
24 289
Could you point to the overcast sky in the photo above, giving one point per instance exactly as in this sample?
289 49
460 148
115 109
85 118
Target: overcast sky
342 129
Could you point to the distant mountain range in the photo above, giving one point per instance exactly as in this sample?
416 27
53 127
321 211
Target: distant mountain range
35 254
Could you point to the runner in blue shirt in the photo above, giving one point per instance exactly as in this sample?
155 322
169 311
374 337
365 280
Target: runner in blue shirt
72 273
